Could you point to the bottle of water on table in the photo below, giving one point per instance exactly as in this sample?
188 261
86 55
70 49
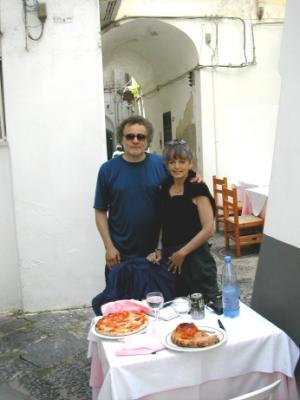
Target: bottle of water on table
230 289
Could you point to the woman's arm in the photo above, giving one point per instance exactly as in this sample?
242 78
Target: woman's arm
207 221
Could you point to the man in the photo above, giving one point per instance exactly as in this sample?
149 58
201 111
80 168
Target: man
126 200
127 217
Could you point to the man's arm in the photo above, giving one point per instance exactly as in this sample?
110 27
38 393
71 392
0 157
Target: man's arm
112 255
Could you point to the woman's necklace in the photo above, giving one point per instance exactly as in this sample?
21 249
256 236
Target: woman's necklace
176 191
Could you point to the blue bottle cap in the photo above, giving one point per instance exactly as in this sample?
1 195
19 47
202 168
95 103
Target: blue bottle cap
227 259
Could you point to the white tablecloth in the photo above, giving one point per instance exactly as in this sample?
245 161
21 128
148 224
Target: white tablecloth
255 201
255 353
241 186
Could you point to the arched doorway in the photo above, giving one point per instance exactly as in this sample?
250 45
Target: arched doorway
159 55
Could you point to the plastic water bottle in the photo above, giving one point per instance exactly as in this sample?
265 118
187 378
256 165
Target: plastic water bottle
230 290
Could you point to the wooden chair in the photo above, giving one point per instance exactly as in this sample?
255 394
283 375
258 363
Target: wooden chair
218 196
244 230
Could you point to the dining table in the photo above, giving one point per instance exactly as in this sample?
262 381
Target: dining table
255 201
252 352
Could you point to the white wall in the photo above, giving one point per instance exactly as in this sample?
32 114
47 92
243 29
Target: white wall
239 113
282 220
235 109
10 292
243 8
165 100
246 112
276 286
55 129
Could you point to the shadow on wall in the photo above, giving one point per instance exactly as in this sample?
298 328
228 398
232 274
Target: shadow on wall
186 129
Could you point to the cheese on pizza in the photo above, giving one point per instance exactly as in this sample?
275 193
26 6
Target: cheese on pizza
122 323
189 335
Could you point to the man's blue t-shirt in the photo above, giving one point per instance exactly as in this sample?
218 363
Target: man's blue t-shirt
130 194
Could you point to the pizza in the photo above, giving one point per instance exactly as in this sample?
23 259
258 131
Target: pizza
122 323
189 335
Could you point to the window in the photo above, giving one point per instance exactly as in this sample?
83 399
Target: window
167 126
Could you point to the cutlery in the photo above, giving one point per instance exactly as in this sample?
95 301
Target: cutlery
221 325
166 303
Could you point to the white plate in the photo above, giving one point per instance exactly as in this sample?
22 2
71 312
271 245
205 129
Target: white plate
167 341
103 336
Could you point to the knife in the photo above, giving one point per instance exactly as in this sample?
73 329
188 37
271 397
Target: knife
221 325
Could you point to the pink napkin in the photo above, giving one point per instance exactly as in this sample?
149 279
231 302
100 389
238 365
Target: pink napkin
145 343
122 305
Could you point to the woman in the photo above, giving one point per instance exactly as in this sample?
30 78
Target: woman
187 223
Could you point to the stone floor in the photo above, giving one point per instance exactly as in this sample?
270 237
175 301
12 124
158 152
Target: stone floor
44 355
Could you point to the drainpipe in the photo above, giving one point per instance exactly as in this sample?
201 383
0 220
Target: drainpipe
214 118
213 71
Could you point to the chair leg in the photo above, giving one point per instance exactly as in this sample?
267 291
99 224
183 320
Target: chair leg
237 243
217 220
226 237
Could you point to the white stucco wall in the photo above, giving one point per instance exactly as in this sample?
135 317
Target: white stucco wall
242 8
10 293
181 107
282 219
235 109
239 113
56 135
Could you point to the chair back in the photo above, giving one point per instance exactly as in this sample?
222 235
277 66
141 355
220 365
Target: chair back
230 203
218 183
265 393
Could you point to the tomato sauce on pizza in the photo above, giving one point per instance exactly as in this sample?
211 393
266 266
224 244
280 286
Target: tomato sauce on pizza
122 323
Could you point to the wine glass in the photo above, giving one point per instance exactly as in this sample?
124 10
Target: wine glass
181 305
155 300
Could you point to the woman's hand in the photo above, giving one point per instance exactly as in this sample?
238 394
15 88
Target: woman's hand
175 261
155 257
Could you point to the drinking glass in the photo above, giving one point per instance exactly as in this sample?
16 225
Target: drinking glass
155 300
181 305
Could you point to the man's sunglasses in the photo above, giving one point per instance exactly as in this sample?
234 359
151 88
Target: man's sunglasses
139 136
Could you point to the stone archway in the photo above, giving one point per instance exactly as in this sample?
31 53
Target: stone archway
159 55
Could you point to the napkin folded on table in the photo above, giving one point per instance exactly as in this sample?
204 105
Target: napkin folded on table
145 343
122 305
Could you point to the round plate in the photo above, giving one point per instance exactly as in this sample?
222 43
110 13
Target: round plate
167 341
109 337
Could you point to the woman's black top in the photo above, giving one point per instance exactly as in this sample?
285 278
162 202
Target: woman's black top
180 217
